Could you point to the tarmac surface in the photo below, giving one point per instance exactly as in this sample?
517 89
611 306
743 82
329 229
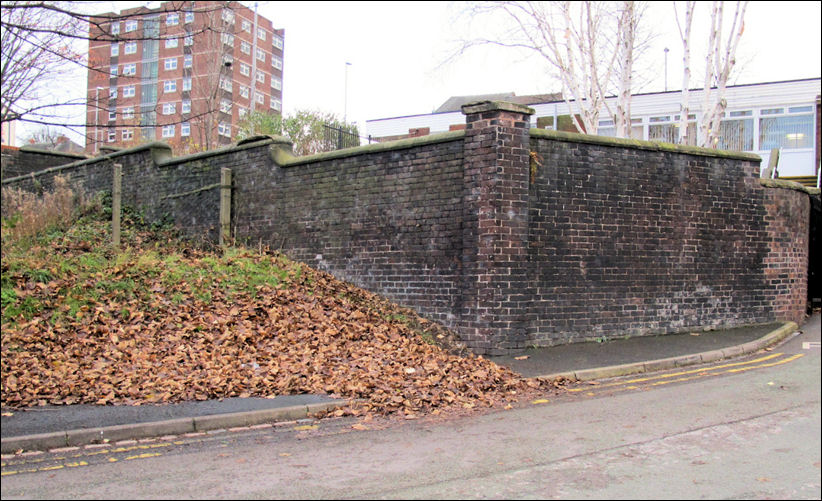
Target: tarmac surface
50 427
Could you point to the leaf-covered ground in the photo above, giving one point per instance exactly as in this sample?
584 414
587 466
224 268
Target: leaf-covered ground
160 321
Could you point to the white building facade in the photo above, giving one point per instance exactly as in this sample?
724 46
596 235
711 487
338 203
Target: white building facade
758 118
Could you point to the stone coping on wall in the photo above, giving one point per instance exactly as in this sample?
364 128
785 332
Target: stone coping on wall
31 149
285 159
641 144
788 185
252 142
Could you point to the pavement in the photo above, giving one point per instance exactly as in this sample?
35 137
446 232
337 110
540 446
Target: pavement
55 427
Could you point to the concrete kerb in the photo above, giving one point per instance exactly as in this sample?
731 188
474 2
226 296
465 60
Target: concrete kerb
769 339
180 426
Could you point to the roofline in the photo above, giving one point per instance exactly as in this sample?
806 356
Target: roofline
632 95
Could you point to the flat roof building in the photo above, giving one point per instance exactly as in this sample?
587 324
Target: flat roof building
184 73
758 118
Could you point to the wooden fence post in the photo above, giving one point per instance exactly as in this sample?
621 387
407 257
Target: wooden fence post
225 206
116 195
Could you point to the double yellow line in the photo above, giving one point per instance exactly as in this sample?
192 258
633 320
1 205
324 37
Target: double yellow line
674 377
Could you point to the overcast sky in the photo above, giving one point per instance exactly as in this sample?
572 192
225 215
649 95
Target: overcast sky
396 51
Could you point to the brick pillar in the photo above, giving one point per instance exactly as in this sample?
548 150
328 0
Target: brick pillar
495 294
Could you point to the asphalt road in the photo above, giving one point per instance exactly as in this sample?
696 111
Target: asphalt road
747 428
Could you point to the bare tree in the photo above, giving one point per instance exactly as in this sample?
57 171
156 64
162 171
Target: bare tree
590 46
685 36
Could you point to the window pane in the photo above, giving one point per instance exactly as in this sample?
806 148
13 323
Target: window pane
736 135
786 132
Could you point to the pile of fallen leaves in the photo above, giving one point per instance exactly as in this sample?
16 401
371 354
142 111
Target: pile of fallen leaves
160 321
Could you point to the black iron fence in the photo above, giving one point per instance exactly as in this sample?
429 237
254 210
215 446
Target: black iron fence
336 138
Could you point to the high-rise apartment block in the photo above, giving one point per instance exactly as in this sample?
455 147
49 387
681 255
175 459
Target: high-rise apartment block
185 73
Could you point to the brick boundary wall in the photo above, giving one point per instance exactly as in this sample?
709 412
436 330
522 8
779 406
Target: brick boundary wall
25 160
513 237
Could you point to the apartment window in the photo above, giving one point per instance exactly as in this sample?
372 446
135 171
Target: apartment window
112 114
131 25
189 17
261 98
130 48
277 62
276 104
113 70
115 49
277 41
112 93
245 69
261 54
171 43
170 86
112 135
261 33
245 47
129 91
246 26
790 130
169 130
170 63
128 113
188 60
129 69
261 77
224 129
225 106
276 83
241 112
172 19
228 39
115 28
185 129
228 16
186 83
186 106
127 134
169 108
188 40
244 91
225 83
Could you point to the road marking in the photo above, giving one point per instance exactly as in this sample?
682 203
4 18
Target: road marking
692 374
680 373
812 344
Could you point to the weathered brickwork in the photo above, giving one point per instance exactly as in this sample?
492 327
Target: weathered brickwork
21 161
513 237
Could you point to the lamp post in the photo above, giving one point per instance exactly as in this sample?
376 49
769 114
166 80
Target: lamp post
666 69
97 121
345 106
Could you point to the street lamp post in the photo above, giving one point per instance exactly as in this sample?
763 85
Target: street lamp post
666 69
97 121
345 108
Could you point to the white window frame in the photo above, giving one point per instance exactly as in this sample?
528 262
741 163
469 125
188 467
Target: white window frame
128 113
114 28
276 62
131 25
185 107
245 47
261 98
112 114
276 104
186 83
241 112
112 135
169 108
277 41
244 91
169 130
188 40
188 60
246 25
224 129
112 71
115 49
185 129
261 33
189 17
225 106
129 91
276 83
130 48
127 134
172 19
261 54
245 69
170 63
112 92
228 39
171 43
226 84
129 69
169 86
260 77
228 16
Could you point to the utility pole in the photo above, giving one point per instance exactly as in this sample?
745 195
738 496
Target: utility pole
345 106
254 67
666 69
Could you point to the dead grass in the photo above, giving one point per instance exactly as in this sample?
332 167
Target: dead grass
30 214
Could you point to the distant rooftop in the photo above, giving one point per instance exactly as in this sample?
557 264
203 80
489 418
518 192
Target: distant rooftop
455 103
